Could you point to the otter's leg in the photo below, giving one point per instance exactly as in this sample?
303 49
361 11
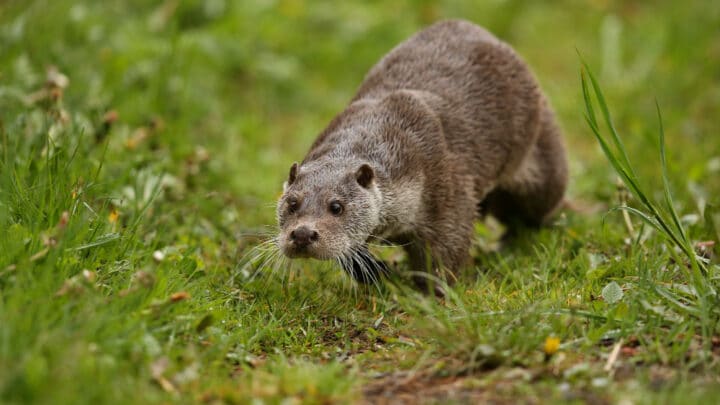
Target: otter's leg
430 262
421 262
439 251
533 193
364 267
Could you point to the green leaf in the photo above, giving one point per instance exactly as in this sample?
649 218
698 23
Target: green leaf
612 293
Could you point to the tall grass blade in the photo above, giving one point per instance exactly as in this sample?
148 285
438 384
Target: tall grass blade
666 182
666 221
608 120
622 165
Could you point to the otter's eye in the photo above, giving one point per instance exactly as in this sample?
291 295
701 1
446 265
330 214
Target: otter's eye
336 208
292 205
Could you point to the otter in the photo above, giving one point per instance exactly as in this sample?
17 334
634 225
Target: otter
449 126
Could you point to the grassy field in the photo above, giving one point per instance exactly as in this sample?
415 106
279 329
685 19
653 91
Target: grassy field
143 145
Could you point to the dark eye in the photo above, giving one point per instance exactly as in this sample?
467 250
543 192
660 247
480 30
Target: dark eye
292 205
336 208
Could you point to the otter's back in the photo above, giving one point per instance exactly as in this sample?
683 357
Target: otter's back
490 101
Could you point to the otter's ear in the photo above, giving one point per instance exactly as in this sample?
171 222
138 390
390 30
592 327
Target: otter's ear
293 174
365 175
291 177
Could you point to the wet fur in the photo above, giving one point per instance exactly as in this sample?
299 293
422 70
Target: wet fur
454 126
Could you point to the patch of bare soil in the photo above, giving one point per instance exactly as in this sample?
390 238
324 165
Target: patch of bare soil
423 388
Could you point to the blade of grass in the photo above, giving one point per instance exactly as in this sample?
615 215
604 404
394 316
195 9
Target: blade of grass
608 120
622 167
666 182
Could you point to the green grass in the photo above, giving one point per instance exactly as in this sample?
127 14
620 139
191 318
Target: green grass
131 195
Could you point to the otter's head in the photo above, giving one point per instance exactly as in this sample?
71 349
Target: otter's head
327 209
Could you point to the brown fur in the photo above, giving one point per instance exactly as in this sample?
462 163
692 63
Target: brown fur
452 124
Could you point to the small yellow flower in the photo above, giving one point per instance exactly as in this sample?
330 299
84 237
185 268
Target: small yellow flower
552 345
113 216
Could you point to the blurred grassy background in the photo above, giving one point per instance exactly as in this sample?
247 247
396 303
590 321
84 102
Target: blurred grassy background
253 82
210 102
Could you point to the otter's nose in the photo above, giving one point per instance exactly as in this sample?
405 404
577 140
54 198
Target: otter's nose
303 236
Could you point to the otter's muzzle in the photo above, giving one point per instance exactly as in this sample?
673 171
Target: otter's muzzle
302 237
